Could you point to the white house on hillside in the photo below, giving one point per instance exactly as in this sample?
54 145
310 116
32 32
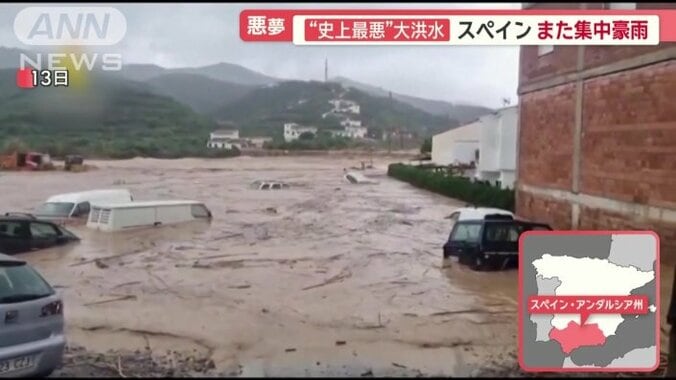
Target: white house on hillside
350 123
224 139
351 132
497 162
344 106
457 146
292 131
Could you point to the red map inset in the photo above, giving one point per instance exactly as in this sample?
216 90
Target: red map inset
574 336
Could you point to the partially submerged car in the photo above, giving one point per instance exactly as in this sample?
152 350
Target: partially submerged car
121 216
24 232
32 337
358 178
63 207
269 185
491 242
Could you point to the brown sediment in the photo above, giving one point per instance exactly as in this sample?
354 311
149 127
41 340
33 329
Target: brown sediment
360 265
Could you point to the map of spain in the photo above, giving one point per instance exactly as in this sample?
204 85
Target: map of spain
589 301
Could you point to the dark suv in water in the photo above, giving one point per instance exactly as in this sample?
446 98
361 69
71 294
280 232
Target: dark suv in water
490 243
24 232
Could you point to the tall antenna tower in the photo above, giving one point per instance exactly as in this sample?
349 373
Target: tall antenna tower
326 69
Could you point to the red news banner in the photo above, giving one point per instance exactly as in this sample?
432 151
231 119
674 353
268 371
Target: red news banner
459 27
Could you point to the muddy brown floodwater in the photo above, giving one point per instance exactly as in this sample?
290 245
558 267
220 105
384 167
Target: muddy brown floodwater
323 278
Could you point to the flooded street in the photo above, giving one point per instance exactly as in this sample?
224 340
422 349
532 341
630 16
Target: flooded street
323 278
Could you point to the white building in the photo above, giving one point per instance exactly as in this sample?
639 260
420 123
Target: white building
457 146
218 143
356 132
497 162
292 131
349 123
224 139
351 132
345 106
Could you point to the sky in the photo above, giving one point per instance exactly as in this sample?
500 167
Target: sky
199 34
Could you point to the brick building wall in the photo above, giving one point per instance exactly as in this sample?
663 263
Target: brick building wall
597 137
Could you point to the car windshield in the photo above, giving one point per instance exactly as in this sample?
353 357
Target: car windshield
67 233
55 209
19 282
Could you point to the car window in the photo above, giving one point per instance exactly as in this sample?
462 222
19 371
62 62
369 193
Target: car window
466 232
502 232
199 211
13 229
43 230
58 209
81 209
265 187
21 281
276 186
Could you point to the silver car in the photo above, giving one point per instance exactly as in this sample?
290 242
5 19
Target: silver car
31 321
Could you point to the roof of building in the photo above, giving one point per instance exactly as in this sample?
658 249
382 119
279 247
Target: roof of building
471 131
223 140
225 131
302 127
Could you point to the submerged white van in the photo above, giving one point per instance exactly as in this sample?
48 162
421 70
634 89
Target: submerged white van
122 216
75 205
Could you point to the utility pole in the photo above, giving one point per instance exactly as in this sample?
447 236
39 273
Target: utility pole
326 70
389 136
389 140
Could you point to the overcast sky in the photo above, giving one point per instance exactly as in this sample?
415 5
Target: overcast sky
178 35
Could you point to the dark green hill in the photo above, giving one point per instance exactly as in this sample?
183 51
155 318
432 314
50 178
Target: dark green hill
107 118
203 94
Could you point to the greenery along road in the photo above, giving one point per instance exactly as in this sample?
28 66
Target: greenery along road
476 193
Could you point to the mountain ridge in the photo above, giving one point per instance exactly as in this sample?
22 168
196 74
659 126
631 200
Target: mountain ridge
208 88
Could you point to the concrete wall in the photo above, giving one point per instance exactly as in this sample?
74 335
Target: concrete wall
445 151
489 160
464 151
498 140
597 138
508 134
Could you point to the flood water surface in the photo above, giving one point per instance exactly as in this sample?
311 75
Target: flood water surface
323 278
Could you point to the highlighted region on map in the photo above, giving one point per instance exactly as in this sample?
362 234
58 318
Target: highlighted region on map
589 301
575 336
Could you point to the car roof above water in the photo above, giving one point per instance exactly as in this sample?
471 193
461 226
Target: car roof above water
84 196
479 213
146 204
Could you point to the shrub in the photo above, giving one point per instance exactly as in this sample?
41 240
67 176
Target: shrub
476 193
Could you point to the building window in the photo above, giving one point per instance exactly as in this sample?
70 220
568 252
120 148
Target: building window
545 49
622 6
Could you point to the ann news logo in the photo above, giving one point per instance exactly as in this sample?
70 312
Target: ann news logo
71 28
